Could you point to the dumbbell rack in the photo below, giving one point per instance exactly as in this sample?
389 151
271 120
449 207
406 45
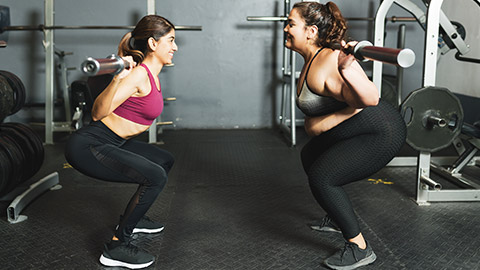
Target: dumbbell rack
427 190
290 76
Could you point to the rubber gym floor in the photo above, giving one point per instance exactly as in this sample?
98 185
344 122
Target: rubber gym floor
237 199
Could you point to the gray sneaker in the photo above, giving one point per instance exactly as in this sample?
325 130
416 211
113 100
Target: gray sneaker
351 257
326 225
125 255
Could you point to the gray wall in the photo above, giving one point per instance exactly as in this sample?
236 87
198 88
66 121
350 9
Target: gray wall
226 76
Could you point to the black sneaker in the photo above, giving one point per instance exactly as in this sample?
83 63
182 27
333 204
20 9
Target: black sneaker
326 225
125 255
146 225
351 257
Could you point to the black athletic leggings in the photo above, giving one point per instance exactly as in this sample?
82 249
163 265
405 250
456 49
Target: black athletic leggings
98 152
351 151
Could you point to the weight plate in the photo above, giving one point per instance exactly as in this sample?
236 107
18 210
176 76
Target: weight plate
424 103
6 98
36 141
18 90
16 159
26 147
5 170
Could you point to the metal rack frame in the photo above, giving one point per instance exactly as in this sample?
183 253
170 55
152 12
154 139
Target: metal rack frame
427 190
288 125
49 43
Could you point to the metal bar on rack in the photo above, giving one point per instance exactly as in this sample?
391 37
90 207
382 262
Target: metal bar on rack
293 94
150 7
152 130
431 43
379 41
42 27
266 18
399 80
276 19
49 70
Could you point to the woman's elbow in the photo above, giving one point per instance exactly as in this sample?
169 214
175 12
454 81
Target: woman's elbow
97 115
312 131
373 101
370 100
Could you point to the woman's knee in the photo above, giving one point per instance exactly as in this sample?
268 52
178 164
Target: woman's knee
156 177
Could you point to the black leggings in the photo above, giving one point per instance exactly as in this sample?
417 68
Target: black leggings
98 152
351 151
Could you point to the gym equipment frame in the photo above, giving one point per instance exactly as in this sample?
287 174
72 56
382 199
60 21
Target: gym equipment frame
49 43
427 190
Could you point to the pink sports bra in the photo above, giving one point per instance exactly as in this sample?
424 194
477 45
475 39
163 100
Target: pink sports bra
142 110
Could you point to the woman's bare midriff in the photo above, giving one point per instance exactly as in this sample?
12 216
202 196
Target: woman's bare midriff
123 127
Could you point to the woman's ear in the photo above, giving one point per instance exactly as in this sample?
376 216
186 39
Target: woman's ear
312 32
152 43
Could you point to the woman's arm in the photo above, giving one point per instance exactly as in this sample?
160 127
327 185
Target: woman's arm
120 88
358 91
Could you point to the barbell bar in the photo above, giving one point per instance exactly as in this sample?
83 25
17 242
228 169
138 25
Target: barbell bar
364 50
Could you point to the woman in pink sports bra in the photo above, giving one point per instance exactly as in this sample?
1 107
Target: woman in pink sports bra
105 149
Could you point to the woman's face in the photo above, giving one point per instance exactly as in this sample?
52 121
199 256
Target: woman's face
296 31
166 47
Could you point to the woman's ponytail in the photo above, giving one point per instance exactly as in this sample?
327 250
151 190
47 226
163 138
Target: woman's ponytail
338 26
126 47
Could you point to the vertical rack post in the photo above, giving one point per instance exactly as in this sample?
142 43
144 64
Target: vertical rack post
152 131
49 69
401 45
289 83
293 93
289 76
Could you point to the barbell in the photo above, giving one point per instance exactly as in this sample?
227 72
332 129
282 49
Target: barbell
364 51
113 64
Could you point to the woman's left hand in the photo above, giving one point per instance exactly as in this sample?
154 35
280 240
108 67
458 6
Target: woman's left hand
127 71
346 60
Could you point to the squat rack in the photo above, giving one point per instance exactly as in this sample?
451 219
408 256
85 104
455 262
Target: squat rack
49 43
427 190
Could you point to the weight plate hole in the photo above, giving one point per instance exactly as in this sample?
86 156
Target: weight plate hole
408 115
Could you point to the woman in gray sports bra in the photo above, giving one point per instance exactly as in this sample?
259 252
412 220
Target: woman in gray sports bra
354 133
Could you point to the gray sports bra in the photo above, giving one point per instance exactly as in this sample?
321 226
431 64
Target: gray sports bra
312 104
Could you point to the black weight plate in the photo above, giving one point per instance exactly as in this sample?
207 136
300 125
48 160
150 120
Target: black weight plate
36 141
20 94
6 98
15 156
18 89
5 170
431 101
26 148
